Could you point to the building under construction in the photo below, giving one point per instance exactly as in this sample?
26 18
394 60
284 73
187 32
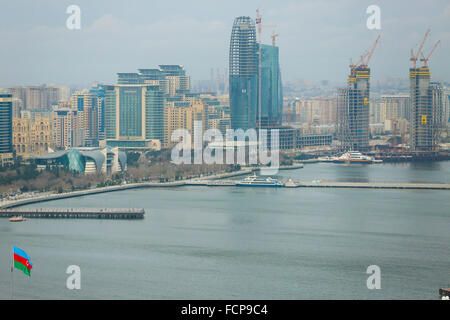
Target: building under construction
353 111
353 106
426 104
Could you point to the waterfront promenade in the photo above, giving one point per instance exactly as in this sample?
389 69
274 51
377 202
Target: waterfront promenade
55 196
220 180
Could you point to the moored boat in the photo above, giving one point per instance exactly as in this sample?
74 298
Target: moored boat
255 181
17 219
354 157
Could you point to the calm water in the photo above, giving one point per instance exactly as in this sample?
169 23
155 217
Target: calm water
217 243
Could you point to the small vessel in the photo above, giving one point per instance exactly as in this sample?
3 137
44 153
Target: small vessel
353 157
325 159
17 219
290 183
255 181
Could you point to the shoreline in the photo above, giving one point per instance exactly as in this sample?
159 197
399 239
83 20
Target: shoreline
80 193
45 196
215 181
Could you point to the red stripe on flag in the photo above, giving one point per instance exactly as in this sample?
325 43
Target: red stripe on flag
23 261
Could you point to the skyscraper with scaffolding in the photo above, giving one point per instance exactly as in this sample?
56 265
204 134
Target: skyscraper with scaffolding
243 73
353 110
426 110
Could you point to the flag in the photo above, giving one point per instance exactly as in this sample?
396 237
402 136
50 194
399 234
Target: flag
22 261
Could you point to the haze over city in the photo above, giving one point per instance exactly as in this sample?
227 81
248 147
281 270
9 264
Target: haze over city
316 38
224 150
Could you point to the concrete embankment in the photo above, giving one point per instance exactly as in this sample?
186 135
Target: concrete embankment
81 193
373 185
219 180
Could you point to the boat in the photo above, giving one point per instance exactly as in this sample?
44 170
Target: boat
255 181
17 219
325 159
354 157
290 183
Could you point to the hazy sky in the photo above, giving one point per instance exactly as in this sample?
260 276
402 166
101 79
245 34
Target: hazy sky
316 37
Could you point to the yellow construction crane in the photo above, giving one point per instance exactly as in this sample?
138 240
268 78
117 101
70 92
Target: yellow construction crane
415 57
425 60
274 36
354 65
365 63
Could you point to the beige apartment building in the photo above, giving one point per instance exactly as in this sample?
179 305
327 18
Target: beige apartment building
32 138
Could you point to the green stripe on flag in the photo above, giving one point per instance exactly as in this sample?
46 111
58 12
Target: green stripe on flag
20 266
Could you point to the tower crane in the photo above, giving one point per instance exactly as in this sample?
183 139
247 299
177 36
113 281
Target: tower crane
425 59
414 57
365 62
354 65
259 24
365 58
274 36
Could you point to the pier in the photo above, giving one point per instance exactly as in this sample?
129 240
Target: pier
114 214
321 184
372 185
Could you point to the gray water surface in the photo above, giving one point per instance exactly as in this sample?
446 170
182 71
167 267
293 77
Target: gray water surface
246 243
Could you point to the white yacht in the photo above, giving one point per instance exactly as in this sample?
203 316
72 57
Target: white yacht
255 181
354 157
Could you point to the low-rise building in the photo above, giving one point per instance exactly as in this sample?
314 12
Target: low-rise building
85 160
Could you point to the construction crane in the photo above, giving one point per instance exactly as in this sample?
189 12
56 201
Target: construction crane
260 25
274 36
425 60
365 63
365 58
354 65
415 57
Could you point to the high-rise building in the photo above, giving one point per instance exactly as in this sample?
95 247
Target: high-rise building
427 110
243 73
66 130
6 146
39 97
394 107
99 91
171 79
86 103
353 110
134 114
447 105
271 87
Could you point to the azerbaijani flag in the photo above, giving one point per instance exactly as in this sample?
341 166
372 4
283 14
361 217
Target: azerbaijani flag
22 261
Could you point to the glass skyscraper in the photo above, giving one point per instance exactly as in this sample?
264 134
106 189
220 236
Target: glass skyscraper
353 110
6 123
271 87
427 110
243 73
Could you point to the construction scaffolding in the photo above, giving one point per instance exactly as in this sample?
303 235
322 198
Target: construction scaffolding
354 107
353 111
426 104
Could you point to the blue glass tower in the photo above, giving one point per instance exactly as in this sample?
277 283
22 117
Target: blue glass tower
271 87
243 73
6 123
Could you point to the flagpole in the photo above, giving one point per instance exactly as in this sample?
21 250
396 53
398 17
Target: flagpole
12 280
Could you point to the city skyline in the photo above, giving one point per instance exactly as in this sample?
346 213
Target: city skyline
317 39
